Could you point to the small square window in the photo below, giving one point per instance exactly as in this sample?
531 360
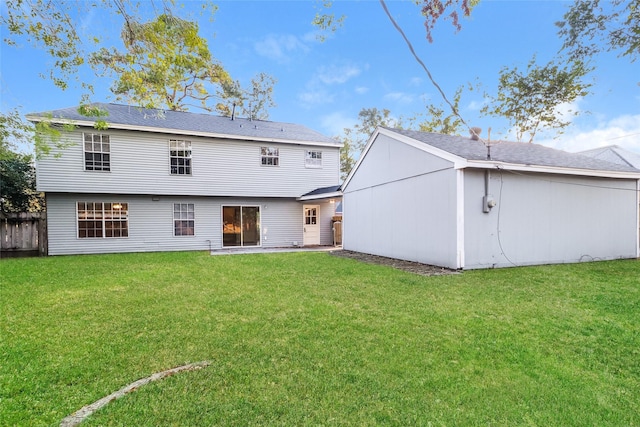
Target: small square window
270 156
313 159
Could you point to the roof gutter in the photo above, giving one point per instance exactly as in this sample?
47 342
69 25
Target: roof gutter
170 131
483 164
333 195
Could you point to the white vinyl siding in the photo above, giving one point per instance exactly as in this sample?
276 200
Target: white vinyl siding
219 167
151 225
545 218
401 203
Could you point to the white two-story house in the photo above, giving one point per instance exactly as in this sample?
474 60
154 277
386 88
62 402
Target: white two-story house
164 181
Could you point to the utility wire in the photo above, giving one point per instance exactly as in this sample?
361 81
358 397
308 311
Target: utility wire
623 136
426 69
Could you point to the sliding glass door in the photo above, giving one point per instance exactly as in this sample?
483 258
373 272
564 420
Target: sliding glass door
240 226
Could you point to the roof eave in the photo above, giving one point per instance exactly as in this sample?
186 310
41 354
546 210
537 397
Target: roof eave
170 131
333 195
490 164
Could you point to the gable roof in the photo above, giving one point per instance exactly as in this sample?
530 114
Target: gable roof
464 152
518 153
192 124
614 154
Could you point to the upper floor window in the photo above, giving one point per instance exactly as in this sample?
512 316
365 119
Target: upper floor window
313 159
270 156
183 219
102 220
97 152
180 154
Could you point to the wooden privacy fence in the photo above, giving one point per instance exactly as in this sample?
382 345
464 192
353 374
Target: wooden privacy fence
23 234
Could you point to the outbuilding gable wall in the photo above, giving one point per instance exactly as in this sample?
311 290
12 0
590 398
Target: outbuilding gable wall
389 160
401 203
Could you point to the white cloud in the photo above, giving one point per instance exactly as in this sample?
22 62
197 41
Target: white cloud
361 90
399 97
317 89
280 47
337 74
415 81
476 105
623 131
86 20
316 96
334 124
314 36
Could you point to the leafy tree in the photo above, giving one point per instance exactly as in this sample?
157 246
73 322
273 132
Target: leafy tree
326 21
439 122
51 26
254 104
591 26
13 130
47 25
370 119
354 139
432 10
347 154
42 137
530 100
166 63
18 184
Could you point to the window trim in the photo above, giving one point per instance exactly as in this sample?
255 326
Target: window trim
275 158
103 219
175 220
187 158
101 152
308 158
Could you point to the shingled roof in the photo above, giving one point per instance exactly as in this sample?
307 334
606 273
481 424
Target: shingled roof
614 154
519 153
187 123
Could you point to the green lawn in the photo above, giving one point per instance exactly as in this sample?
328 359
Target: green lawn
312 339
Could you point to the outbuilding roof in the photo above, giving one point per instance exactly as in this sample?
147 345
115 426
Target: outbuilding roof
519 153
614 154
187 123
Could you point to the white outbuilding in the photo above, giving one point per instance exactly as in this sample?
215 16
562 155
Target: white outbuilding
463 203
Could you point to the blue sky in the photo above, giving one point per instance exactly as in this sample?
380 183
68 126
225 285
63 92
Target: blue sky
366 64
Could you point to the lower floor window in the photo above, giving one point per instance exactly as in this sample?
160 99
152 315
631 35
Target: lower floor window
103 220
240 226
183 219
